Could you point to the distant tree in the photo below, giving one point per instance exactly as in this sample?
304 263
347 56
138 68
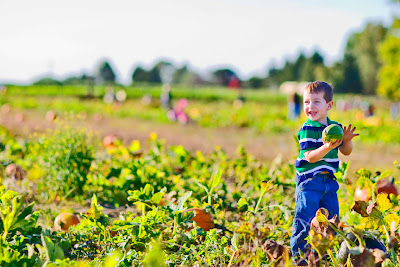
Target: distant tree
298 65
310 66
140 75
185 76
389 74
106 73
78 80
255 82
73 80
287 73
317 58
351 79
179 74
223 76
344 75
154 75
47 81
272 77
362 46
302 69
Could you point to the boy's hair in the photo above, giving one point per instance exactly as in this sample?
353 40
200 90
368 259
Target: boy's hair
319 86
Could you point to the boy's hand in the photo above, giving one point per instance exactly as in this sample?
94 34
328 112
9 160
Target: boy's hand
332 145
348 133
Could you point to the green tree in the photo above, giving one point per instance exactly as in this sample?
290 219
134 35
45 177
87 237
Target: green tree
343 75
159 70
298 65
255 82
179 74
47 81
362 46
154 75
106 73
309 67
140 75
389 74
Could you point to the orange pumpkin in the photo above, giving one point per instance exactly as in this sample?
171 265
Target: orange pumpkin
109 141
203 219
361 194
64 221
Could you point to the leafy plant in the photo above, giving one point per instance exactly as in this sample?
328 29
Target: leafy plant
67 154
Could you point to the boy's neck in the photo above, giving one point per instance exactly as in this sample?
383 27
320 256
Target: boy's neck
324 121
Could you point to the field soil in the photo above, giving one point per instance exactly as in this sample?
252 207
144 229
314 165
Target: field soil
193 137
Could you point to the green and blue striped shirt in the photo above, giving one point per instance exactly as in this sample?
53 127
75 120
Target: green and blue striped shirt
310 138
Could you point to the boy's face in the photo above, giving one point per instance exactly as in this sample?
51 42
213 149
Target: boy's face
315 107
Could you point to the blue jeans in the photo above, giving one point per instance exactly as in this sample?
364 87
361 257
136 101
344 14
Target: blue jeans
312 194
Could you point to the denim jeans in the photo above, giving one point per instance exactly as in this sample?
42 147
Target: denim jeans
312 194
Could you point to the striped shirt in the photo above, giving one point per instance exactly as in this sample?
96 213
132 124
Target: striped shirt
310 138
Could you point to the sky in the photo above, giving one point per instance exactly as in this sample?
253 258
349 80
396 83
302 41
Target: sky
60 38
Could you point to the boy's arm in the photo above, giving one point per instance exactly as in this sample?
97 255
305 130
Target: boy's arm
348 135
318 153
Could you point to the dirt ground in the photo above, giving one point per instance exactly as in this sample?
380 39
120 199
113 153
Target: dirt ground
193 137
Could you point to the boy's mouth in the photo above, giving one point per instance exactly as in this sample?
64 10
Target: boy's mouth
312 114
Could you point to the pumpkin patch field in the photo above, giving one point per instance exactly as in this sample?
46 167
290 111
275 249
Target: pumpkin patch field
70 196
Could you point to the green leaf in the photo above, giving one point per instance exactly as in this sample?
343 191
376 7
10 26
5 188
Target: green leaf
235 241
148 190
384 174
113 259
242 205
53 251
216 179
155 256
180 203
364 173
156 198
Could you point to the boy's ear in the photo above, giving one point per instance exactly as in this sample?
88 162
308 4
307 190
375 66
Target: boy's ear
330 104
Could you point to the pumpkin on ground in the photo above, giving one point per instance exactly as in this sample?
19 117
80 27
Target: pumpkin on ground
203 219
109 140
64 221
386 186
362 194
15 171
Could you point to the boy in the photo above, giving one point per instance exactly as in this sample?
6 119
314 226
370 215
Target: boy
316 185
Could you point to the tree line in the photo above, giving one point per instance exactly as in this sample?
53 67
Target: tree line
370 65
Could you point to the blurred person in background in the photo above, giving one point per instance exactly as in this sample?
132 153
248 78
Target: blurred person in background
294 106
166 97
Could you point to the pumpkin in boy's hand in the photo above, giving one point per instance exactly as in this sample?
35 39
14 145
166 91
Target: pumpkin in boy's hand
362 194
64 221
332 133
203 219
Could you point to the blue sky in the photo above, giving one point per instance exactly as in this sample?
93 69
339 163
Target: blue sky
61 38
